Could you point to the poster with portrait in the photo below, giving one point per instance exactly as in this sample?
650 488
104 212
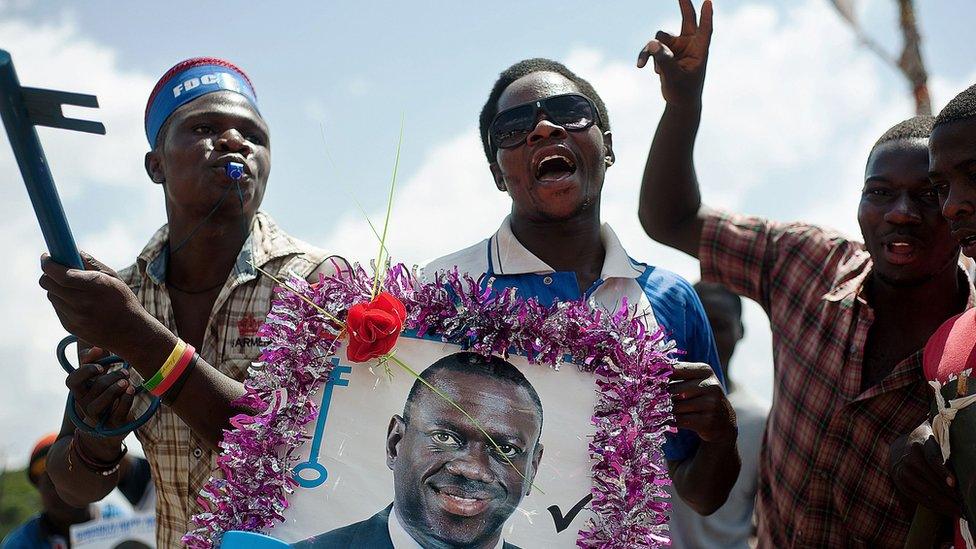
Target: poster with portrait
469 420
382 441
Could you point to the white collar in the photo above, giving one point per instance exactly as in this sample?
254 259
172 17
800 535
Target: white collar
402 540
510 257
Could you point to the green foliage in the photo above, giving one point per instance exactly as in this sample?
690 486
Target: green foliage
18 500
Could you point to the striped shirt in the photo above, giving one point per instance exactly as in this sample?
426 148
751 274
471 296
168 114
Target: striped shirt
181 463
823 479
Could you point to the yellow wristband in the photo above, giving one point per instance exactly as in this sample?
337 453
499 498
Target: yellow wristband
167 366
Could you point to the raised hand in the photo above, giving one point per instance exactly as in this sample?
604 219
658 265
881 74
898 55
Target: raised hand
681 60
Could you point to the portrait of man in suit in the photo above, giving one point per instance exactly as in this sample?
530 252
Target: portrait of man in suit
453 486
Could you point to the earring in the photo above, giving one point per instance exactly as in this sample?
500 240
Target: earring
608 160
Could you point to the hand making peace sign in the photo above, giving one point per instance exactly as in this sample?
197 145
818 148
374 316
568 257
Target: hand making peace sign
681 60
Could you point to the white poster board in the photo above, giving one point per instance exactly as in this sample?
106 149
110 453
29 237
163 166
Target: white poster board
346 479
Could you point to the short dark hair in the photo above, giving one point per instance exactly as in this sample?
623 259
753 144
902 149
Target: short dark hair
702 288
916 127
960 107
524 68
473 363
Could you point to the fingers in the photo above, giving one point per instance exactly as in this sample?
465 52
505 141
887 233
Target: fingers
691 370
665 38
685 390
938 472
693 406
104 392
689 22
91 354
706 18
120 414
53 271
104 402
92 264
921 475
649 49
78 379
62 276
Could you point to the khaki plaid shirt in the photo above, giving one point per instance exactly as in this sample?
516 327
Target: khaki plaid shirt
181 463
823 478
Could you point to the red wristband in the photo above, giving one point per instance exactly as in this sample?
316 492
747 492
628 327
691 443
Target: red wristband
176 373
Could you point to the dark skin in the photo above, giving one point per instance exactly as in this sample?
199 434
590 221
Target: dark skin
452 487
95 305
917 466
559 222
726 323
914 274
914 285
58 516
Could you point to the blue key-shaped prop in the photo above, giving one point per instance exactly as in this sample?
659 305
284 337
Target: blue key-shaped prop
315 474
21 109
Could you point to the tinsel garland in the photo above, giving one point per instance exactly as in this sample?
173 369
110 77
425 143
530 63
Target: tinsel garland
632 413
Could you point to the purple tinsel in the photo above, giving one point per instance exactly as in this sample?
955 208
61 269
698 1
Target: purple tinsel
632 414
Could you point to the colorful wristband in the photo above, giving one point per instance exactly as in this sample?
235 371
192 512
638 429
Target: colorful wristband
176 373
167 366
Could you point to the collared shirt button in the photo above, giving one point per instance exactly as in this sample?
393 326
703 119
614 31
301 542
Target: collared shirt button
547 280
823 475
197 453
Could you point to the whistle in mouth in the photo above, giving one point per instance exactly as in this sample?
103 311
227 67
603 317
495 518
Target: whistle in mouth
235 170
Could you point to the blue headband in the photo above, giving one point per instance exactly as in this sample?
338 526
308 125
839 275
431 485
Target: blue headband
189 80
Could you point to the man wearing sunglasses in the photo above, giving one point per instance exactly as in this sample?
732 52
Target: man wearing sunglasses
546 135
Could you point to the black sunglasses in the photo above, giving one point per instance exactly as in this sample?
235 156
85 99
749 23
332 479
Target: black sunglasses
572 111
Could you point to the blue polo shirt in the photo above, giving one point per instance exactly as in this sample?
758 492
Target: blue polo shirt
504 262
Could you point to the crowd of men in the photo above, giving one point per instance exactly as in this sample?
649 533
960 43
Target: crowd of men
846 454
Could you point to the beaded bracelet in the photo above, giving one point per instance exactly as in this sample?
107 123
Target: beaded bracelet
105 469
167 367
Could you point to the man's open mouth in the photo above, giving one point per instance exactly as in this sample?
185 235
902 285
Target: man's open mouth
555 167
901 252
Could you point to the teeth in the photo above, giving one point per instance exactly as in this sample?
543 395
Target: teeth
557 157
900 245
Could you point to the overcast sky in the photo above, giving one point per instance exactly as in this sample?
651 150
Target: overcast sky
792 105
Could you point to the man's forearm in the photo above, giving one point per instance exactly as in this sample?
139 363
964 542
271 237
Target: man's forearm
78 485
205 398
669 197
705 480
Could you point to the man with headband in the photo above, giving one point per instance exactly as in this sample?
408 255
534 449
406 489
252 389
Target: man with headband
197 277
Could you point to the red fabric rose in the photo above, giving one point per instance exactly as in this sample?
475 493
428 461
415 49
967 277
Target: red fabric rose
374 327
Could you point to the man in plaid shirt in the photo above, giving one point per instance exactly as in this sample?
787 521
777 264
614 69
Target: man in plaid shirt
849 319
198 279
